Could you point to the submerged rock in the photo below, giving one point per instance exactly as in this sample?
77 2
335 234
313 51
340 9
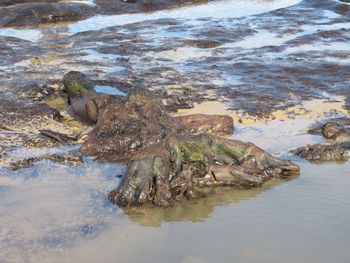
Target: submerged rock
337 148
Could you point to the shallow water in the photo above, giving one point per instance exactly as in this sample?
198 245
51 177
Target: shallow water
303 220
26 34
266 50
55 213
222 9
109 90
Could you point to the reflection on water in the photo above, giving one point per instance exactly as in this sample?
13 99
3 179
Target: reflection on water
303 220
196 210
47 208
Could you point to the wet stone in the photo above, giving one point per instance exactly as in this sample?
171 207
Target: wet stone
166 159
337 147
177 167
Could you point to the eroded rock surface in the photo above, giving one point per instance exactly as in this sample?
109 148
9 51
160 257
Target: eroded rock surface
125 125
26 122
177 167
337 147
166 158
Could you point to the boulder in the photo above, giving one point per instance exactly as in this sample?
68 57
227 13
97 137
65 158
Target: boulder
180 165
337 147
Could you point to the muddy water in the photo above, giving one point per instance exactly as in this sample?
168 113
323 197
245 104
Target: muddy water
275 66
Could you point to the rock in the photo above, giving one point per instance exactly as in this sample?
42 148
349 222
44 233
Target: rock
201 123
14 2
36 92
325 153
134 6
178 166
17 114
34 13
83 99
71 158
331 130
125 125
337 147
168 157
20 13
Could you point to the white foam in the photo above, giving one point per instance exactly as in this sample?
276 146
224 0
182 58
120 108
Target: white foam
86 2
335 46
214 9
93 55
109 90
261 39
26 34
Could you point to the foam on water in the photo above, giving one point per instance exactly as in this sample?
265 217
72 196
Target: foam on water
26 34
87 2
93 55
214 9
260 39
109 90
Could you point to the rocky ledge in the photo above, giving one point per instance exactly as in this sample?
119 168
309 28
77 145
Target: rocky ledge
181 165
337 146
168 157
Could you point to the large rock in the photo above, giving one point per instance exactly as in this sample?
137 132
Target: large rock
34 13
337 146
125 125
180 165
168 157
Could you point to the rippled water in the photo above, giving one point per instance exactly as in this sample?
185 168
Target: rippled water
57 213
215 9
303 220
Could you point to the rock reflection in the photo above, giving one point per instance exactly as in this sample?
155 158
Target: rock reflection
197 210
